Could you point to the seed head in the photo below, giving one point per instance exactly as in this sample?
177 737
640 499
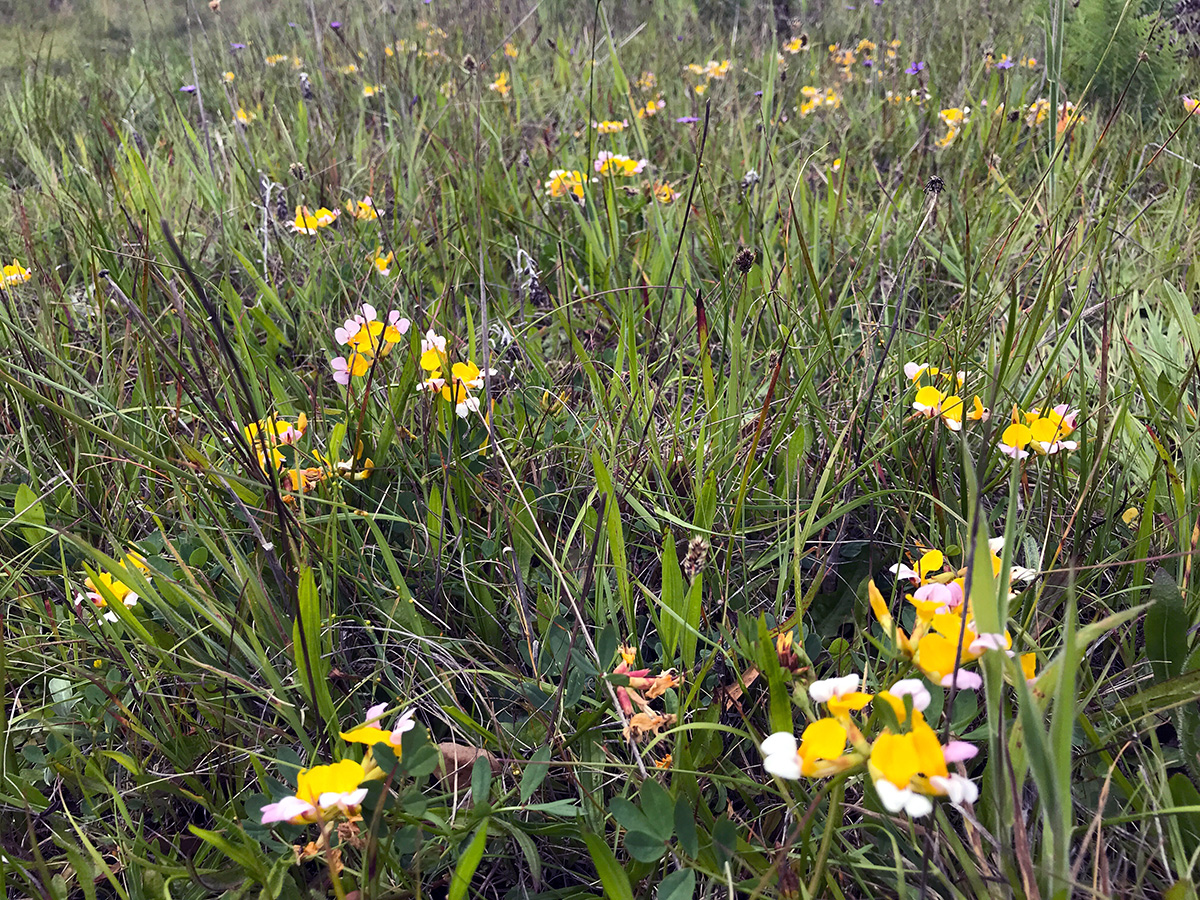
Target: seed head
745 259
697 556
469 65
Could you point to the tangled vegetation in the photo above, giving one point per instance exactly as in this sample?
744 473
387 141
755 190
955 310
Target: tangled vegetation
558 451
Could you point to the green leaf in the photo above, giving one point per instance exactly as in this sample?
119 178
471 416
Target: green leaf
566 808
311 666
468 863
685 826
1184 794
535 772
645 847
612 876
418 757
673 599
616 539
481 779
724 841
628 816
245 856
657 808
1166 627
28 511
679 885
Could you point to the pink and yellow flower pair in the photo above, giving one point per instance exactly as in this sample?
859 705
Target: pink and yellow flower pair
328 792
464 377
368 337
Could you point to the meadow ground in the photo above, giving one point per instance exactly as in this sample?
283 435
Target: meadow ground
640 450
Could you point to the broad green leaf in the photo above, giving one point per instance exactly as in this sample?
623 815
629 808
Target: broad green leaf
685 826
535 772
468 863
679 885
612 876
1166 627
658 808
645 847
673 599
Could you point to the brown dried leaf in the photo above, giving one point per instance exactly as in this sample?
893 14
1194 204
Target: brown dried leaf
732 693
457 762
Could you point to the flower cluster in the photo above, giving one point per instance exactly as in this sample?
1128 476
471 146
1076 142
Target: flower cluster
267 435
709 71
954 119
1039 110
1191 106
634 696
310 223
610 126
565 183
465 377
367 336
662 191
944 637
933 402
798 44
814 98
330 792
906 762
364 210
501 85
1045 431
111 583
651 108
16 273
617 164
913 96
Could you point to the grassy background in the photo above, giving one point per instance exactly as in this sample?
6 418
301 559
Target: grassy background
1052 269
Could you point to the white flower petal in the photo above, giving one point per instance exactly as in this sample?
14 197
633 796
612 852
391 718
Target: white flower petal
779 743
917 805
915 688
783 765
285 810
892 797
825 689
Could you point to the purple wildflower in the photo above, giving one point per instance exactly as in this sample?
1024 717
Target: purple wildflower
915 68
188 89
758 93
687 120
1005 64
867 62
236 45
335 25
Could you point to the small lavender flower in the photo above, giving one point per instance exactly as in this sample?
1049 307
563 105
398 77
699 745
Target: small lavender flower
915 68
868 63
188 89
687 120
1005 64
235 45
758 93
335 25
